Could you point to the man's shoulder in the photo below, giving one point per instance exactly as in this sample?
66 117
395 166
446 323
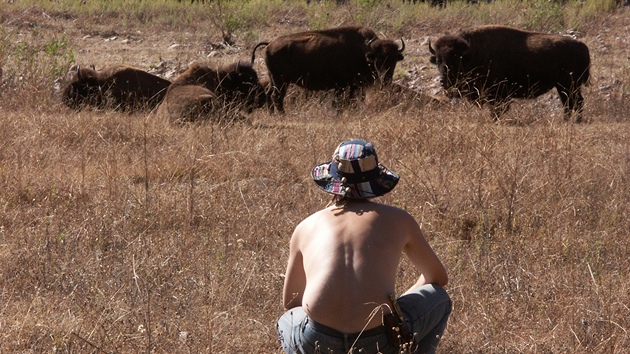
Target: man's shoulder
356 207
311 218
378 209
389 209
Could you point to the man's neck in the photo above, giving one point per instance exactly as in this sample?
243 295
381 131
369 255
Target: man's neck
342 202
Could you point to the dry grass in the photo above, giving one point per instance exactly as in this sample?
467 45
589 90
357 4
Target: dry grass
123 234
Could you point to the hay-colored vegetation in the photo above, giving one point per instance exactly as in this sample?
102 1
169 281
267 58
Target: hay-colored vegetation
120 233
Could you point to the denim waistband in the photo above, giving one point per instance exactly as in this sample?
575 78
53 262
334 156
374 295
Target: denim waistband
333 332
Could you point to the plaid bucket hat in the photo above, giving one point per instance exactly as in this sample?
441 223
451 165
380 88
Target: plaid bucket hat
355 172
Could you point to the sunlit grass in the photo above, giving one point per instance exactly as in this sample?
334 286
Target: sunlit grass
122 233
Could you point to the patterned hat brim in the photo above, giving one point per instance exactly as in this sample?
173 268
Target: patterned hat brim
381 183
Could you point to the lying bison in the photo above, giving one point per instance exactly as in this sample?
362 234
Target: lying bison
440 3
340 59
235 85
202 92
188 103
116 87
494 64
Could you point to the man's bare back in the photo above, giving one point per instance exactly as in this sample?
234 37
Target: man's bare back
343 262
350 254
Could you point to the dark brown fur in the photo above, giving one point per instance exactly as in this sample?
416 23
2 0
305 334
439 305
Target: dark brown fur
343 58
187 103
236 85
494 64
116 87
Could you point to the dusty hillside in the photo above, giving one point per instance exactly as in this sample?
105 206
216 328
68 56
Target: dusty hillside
167 47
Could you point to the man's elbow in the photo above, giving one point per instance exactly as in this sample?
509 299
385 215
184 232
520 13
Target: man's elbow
292 302
443 278
443 281
289 305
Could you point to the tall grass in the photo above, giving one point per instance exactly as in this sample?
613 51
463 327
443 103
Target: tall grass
120 233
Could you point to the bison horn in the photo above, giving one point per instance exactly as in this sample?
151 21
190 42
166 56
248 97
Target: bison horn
431 50
79 72
402 47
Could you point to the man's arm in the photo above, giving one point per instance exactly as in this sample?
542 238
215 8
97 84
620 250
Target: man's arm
425 260
295 277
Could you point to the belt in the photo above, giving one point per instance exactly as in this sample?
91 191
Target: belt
333 332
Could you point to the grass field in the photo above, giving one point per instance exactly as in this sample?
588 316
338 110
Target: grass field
122 233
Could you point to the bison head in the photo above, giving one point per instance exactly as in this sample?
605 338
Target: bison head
382 55
451 53
83 89
240 84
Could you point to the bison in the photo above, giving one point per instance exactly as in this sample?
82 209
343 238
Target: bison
117 87
495 64
202 91
340 59
440 3
187 103
235 85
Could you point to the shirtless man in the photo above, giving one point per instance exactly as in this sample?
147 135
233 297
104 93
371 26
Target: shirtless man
343 262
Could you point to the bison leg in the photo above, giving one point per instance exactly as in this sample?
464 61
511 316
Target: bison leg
278 92
344 96
572 100
579 104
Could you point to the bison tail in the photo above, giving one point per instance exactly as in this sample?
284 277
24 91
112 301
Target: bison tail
256 47
581 78
586 77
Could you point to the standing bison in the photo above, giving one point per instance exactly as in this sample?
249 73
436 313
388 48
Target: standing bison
117 87
340 59
203 90
494 64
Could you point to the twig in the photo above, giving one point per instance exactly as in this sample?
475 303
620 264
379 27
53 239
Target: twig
135 275
89 343
592 277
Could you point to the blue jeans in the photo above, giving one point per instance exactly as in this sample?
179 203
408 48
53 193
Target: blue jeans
426 309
